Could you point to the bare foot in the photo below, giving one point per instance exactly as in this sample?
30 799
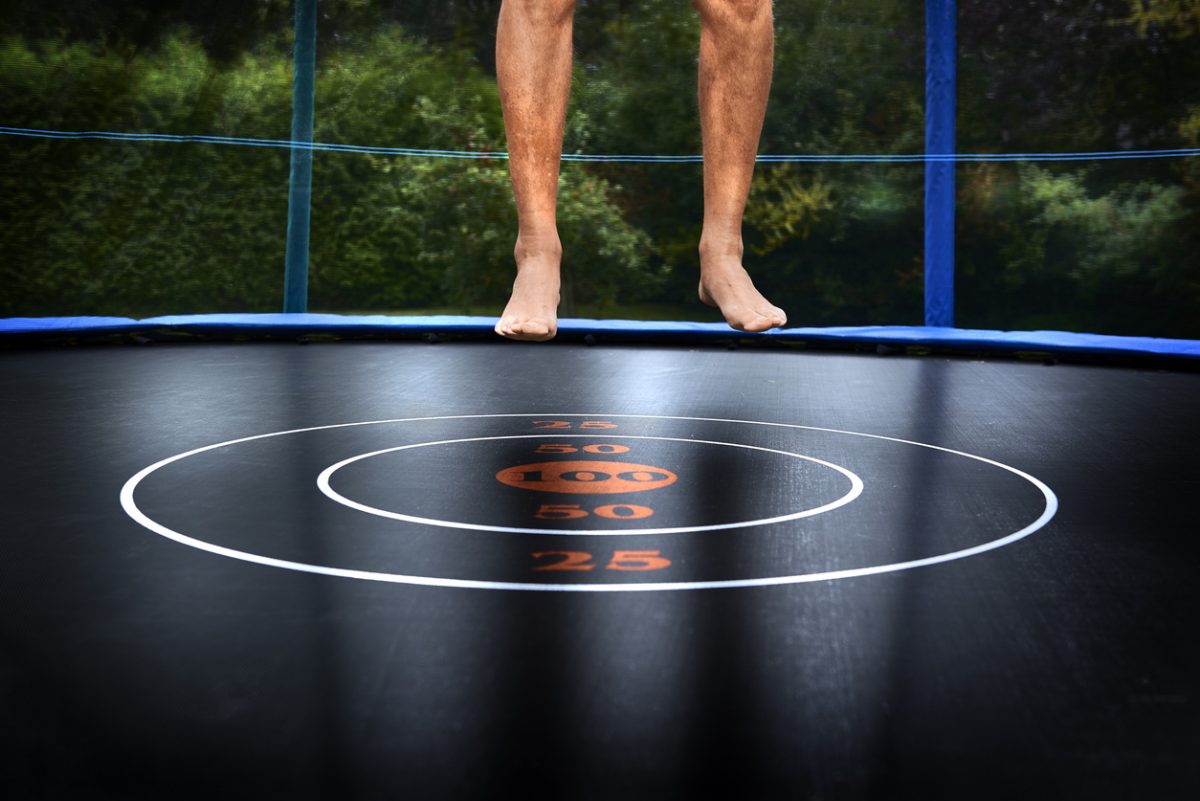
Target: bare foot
725 284
532 311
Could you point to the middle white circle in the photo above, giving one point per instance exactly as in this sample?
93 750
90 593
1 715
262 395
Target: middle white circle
856 488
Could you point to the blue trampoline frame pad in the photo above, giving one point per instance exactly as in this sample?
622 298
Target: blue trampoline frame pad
300 325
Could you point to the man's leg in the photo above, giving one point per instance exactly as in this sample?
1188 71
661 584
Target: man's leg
737 53
533 70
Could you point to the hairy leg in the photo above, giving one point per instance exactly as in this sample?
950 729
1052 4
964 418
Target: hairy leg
533 70
737 53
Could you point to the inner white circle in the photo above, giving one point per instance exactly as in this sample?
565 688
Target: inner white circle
131 509
856 488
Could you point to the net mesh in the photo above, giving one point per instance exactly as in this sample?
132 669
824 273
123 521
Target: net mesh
191 216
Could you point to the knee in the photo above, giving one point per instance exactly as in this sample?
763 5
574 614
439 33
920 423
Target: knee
544 10
733 11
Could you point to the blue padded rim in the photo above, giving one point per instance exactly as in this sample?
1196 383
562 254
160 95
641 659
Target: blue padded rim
297 324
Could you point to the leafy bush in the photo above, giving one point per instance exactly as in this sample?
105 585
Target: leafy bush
99 227
1076 249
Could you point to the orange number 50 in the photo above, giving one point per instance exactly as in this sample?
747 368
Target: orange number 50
613 511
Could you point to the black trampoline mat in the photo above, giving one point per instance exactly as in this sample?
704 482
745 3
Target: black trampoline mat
466 570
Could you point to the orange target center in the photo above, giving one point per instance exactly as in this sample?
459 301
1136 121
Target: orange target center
586 478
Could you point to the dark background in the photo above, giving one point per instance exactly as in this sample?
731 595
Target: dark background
138 228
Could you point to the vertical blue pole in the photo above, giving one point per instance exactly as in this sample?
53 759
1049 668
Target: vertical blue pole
940 81
295 274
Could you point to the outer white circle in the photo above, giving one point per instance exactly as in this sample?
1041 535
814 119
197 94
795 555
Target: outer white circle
131 508
856 488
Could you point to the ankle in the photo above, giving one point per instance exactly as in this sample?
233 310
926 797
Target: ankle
720 250
721 246
535 243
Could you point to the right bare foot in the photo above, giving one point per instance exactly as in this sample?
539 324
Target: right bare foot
725 284
532 311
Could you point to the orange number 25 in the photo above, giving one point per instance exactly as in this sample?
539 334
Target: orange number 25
621 560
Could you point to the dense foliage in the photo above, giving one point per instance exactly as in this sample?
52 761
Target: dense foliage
97 226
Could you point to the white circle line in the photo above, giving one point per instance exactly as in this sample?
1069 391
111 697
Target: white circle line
131 508
856 489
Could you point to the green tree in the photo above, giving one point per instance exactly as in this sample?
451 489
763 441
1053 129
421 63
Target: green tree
141 227
1096 246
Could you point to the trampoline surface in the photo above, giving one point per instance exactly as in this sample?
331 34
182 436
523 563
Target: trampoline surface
466 570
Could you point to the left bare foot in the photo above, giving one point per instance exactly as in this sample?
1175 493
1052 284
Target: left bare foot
725 284
532 311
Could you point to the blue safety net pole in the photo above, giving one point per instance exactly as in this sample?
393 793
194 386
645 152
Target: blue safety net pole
295 274
940 84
